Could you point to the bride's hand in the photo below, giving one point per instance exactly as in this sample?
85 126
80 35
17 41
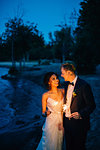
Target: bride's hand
60 126
48 113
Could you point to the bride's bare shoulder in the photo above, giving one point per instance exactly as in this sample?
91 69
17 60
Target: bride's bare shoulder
45 95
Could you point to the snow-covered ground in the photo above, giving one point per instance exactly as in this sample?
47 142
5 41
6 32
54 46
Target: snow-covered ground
20 108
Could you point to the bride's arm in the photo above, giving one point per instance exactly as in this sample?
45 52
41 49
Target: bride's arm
63 91
45 113
44 103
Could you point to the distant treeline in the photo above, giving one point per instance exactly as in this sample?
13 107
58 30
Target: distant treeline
24 42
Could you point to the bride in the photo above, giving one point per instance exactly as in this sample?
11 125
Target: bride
52 101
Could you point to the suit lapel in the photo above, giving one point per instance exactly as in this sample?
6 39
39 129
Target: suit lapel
77 85
66 87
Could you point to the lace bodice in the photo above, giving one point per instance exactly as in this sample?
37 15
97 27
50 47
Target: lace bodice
54 106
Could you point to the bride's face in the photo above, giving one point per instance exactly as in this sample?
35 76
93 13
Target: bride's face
54 81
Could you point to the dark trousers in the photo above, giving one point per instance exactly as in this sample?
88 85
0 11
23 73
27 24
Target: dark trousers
75 134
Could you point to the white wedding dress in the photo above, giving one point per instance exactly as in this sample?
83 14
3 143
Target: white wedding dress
52 137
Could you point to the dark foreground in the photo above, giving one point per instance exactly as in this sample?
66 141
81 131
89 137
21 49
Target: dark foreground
20 110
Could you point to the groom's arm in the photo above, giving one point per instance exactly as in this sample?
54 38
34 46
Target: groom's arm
89 101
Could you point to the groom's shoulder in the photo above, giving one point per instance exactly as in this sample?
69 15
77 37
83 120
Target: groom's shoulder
83 82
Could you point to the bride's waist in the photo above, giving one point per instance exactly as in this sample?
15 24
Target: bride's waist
55 112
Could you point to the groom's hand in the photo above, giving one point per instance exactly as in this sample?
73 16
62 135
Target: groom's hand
76 115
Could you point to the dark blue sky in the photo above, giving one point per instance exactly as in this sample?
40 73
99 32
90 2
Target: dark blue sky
46 13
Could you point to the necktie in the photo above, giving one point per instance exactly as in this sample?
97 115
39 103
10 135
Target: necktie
71 83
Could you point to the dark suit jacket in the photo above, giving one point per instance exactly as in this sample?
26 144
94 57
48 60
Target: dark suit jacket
82 100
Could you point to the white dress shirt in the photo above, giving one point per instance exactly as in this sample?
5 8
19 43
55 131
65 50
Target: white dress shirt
69 97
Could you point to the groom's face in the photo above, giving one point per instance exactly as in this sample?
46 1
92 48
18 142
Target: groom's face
65 74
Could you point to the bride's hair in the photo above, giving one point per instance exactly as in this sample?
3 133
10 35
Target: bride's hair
47 78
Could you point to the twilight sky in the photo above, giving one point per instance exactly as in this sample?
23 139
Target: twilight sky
46 13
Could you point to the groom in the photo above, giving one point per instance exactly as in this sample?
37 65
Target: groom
79 102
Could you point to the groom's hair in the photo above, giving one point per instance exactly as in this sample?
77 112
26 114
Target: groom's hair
69 65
